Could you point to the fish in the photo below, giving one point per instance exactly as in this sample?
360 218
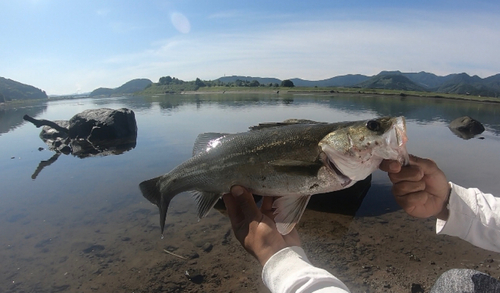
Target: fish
290 160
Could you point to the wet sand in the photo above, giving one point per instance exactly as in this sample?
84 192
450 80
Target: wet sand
119 250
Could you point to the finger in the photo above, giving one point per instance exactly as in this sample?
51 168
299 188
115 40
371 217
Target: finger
407 187
412 200
246 203
407 173
267 206
292 238
390 166
233 210
267 203
425 164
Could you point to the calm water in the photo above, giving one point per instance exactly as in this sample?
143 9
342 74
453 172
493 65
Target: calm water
74 197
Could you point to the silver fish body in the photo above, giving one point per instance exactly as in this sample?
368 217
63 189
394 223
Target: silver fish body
291 160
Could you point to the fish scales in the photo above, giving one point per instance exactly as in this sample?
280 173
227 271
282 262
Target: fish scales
291 161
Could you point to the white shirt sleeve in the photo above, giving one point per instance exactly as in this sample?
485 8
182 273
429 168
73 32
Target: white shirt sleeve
289 270
474 217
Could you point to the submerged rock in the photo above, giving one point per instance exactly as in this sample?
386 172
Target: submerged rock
466 127
194 276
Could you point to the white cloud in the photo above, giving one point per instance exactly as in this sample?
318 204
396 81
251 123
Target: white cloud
180 22
322 49
313 49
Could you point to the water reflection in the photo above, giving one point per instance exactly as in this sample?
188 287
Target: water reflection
11 118
420 109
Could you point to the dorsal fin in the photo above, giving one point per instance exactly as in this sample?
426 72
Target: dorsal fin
284 123
205 142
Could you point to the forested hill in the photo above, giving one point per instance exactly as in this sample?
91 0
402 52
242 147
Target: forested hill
457 83
13 90
130 87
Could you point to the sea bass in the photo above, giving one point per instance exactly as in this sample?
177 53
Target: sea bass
291 160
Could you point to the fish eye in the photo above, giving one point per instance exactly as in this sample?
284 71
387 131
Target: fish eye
373 125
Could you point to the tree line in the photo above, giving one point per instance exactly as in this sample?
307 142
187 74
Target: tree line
168 80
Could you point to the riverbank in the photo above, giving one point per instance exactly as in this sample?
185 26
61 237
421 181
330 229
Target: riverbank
281 91
339 91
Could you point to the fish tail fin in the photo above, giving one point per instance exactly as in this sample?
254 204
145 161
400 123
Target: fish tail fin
151 191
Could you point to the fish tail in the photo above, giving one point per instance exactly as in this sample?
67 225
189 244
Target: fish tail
151 191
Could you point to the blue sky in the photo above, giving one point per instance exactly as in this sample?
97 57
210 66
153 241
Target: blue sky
71 46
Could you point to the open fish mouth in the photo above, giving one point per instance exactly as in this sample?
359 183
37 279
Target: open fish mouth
345 180
401 139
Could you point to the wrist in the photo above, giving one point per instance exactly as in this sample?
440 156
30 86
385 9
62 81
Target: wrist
266 253
445 211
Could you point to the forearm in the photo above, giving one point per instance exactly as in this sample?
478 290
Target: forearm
474 217
289 270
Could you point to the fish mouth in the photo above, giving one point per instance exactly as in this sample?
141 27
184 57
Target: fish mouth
345 180
401 139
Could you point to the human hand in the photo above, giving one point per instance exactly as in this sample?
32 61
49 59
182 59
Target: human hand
420 188
255 229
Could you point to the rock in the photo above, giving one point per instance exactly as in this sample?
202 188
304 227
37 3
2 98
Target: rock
417 288
92 132
466 127
93 248
192 255
207 247
97 125
194 276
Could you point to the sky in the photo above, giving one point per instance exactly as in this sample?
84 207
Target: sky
69 46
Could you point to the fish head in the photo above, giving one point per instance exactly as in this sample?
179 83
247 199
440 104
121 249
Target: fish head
356 150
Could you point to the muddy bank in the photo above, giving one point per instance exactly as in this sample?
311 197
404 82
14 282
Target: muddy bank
121 251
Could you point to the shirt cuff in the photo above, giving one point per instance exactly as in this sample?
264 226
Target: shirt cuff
289 270
462 211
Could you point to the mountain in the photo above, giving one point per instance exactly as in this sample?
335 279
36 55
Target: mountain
391 81
493 82
129 87
465 84
261 80
413 81
341 80
428 80
13 90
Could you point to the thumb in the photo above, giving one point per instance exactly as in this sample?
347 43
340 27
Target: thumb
245 201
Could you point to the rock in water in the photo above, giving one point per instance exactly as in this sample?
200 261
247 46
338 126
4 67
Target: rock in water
466 127
96 125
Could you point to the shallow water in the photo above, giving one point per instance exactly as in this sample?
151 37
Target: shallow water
80 210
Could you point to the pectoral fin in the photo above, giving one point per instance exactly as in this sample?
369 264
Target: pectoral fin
205 201
288 211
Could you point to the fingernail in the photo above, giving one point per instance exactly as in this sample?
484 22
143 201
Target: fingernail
237 190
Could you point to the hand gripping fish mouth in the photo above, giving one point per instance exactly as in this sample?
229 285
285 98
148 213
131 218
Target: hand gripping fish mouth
354 153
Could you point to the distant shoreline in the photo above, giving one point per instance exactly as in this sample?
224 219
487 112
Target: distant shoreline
283 91
360 92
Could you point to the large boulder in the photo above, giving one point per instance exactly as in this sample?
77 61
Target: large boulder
89 133
97 125
466 127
